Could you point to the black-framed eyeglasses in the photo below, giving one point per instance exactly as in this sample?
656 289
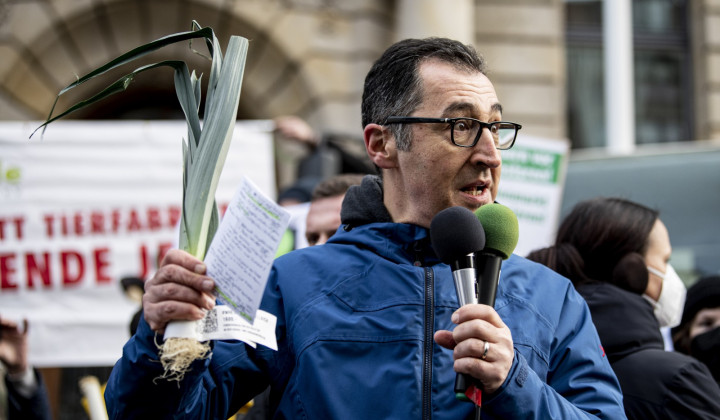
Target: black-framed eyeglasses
465 132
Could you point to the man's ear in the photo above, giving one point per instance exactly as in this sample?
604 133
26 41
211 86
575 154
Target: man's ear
380 145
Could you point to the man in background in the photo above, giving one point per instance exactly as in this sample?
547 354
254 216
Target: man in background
27 397
323 218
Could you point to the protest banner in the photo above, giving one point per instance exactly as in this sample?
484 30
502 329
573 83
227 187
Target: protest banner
532 182
87 204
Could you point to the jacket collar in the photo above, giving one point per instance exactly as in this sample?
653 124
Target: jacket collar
367 223
363 204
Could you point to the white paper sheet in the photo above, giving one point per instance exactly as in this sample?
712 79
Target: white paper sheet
243 249
223 323
239 260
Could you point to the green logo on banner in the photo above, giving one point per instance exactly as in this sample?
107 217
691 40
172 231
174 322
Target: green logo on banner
9 174
532 165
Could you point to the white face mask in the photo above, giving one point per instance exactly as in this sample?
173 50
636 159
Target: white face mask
669 306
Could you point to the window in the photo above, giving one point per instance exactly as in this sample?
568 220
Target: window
663 90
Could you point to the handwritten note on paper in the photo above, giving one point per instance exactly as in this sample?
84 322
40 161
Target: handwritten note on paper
241 253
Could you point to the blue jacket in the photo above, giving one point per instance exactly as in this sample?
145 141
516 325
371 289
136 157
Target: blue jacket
355 324
356 318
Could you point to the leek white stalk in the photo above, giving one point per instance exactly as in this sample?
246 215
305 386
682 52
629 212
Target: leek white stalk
204 151
93 398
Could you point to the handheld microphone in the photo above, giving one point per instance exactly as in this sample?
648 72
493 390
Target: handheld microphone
457 235
501 236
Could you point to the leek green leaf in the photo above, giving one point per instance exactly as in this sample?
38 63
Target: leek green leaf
208 142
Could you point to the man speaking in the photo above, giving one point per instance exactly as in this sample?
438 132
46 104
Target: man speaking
367 324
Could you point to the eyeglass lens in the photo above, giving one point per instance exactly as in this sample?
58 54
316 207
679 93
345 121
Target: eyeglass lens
465 131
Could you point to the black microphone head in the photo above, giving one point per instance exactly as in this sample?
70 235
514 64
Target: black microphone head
456 232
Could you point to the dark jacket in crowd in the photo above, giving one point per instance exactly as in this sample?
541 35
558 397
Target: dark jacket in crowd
669 385
36 407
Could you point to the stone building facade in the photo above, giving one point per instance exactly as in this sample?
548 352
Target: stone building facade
309 57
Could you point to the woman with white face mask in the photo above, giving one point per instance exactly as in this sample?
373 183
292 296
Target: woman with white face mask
616 253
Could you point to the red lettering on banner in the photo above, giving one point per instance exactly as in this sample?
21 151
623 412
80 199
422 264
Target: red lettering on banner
66 260
97 222
153 216
115 220
7 270
134 224
49 218
64 225
144 262
32 269
78 224
174 213
101 265
163 248
145 258
17 221
39 274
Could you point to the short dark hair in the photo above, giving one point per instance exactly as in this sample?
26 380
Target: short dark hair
335 185
393 85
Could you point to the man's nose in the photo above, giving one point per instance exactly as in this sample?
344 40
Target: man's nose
485 152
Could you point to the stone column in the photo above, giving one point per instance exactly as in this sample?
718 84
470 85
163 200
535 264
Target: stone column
619 73
423 18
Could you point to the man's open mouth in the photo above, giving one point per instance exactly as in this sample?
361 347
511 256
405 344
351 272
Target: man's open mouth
474 190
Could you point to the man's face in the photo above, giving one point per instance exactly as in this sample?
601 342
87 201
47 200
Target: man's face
436 174
323 219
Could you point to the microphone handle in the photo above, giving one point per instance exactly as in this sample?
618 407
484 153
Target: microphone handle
487 265
487 272
465 278
462 382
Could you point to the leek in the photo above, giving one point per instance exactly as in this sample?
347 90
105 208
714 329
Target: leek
204 150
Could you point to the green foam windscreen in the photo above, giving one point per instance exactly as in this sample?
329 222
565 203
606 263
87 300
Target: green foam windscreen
501 228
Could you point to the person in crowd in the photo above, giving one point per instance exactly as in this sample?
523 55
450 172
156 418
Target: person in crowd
616 253
699 331
323 217
134 287
321 214
328 155
26 392
346 153
367 323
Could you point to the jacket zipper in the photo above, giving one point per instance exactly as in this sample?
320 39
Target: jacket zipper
418 248
428 340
